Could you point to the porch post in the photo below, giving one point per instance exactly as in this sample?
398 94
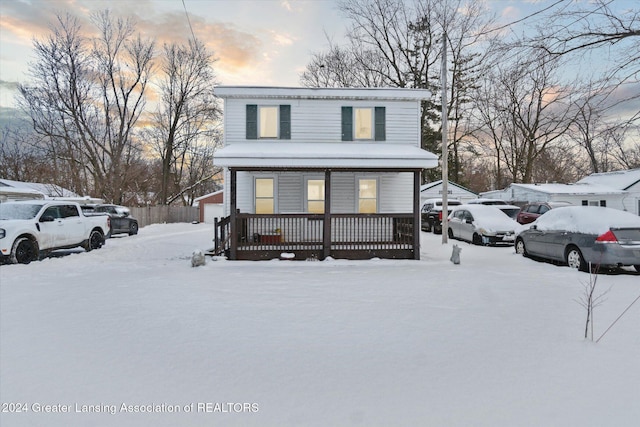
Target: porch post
326 231
233 226
416 213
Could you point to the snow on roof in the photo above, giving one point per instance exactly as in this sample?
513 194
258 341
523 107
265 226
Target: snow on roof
197 199
578 188
49 190
321 93
620 180
321 155
433 184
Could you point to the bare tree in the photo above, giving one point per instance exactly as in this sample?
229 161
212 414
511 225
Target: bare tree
397 43
184 128
86 97
525 110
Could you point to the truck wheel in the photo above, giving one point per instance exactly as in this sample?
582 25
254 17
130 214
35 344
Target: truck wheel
24 251
133 228
96 240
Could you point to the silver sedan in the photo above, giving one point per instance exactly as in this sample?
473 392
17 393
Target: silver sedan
584 237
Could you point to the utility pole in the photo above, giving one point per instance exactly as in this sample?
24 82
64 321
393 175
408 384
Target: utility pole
445 154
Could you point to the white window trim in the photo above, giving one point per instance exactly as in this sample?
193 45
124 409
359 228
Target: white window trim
306 180
277 107
373 123
275 191
357 188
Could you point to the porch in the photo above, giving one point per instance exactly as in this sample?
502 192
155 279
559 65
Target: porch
317 236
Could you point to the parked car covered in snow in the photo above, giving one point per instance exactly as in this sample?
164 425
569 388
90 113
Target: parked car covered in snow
532 211
580 236
481 225
31 228
121 219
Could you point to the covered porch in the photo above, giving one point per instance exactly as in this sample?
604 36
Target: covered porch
391 230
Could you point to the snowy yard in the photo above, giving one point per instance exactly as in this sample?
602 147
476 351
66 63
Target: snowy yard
132 335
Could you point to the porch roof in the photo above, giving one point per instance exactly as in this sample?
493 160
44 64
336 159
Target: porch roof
325 155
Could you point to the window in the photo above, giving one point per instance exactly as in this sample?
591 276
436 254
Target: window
268 121
367 196
363 123
264 191
315 196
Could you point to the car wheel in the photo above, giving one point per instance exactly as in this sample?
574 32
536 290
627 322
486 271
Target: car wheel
133 228
520 247
450 233
637 267
476 239
96 240
575 259
24 251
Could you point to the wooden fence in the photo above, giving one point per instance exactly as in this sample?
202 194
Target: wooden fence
163 214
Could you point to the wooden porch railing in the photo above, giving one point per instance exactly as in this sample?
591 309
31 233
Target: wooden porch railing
353 236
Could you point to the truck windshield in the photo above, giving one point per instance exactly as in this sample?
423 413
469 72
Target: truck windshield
19 211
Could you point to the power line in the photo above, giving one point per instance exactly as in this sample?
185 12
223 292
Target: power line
189 21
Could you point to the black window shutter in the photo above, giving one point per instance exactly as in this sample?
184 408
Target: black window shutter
285 122
585 203
347 123
603 203
380 127
252 121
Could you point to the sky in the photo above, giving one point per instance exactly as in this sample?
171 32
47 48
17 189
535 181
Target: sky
257 42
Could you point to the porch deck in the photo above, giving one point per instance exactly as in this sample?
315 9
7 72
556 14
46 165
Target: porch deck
308 236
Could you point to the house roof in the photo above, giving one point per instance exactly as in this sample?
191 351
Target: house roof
197 199
322 155
49 190
568 189
620 180
430 185
262 92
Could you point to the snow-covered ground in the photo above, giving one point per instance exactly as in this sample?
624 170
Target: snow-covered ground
132 330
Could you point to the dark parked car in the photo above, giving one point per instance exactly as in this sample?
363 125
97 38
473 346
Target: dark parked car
532 211
580 236
431 214
121 219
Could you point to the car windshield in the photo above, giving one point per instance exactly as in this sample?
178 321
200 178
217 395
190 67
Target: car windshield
19 211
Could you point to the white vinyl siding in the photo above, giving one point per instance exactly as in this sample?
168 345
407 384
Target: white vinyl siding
395 191
320 120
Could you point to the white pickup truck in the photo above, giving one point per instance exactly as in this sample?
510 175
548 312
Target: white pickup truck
34 227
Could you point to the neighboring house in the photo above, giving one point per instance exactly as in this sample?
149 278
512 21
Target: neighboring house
455 191
211 206
576 194
321 172
627 181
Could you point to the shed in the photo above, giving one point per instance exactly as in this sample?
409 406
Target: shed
211 206
433 190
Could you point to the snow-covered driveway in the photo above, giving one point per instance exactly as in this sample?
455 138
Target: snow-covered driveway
132 335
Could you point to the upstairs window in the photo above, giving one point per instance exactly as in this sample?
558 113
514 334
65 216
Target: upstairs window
363 123
268 121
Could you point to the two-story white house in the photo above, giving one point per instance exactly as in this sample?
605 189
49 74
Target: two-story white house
321 172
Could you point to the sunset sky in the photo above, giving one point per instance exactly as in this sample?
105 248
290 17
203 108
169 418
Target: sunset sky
261 42
257 42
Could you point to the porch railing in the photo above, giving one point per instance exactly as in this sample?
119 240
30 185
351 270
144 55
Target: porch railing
353 236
